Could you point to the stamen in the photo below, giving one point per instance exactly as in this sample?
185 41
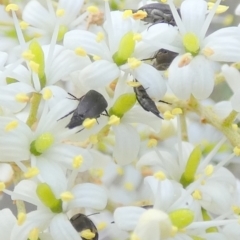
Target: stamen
236 151
177 111
208 52
67 196
185 60
77 161
96 58
28 55
101 226
114 120
152 143
21 218
100 37
197 195
23 25
81 52
160 175
220 9
168 115
87 234
93 9
34 234
22 98
127 14
209 170
2 186
88 123
34 66
12 7
10 126
47 93
32 172
60 12
134 63
137 37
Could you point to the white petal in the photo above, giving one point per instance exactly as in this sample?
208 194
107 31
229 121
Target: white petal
62 229
89 195
99 74
3 59
223 109
6 172
151 80
232 230
127 144
235 100
126 218
7 221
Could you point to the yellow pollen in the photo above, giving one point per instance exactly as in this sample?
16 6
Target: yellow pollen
21 217
34 66
191 43
81 52
207 52
28 55
47 93
32 172
140 14
209 170
197 195
120 171
160 175
60 12
236 151
228 20
185 60
93 9
22 98
2 186
10 126
220 9
67 196
101 226
87 234
129 186
100 37
177 111
96 58
114 120
127 14
164 1
34 234
133 84
168 115
89 122
77 161
236 210
11 7
235 127
152 143
137 37
134 63
93 139
134 237
23 25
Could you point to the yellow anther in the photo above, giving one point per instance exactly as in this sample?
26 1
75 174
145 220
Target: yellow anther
220 9
67 196
168 115
34 234
236 210
152 143
21 218
177 111
96 58
127 14
60 12
87 234
129 186
134 63
100 37
120 171
2 186
114 120
134 237
28 55
32 172
47 93
93 9
11 7
10 126
137 37
77 161
228 20
236 151
160 175
22 98
23 25
81 52
34 66
93 139
235 127
209 170
101 226
185 60
133 84
197 195
89 122
208 52
140 14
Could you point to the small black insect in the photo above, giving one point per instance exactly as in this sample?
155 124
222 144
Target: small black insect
145 101
158 13
81 222
91 105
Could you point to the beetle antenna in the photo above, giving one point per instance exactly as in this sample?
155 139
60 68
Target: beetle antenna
164 102
92 214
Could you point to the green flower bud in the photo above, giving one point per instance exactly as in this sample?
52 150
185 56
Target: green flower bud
181 218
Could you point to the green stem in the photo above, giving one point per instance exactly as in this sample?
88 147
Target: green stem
183 126
228 121
32 118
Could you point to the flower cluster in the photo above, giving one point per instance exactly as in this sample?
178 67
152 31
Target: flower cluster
109 122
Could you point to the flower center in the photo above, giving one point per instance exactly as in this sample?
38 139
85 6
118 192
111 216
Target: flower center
191 43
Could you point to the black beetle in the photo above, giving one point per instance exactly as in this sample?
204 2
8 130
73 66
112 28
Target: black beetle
81 222
145 101
158 13
91 105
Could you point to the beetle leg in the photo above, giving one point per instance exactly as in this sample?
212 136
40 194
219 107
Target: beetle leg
106 113
164 102
66 115
74 97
